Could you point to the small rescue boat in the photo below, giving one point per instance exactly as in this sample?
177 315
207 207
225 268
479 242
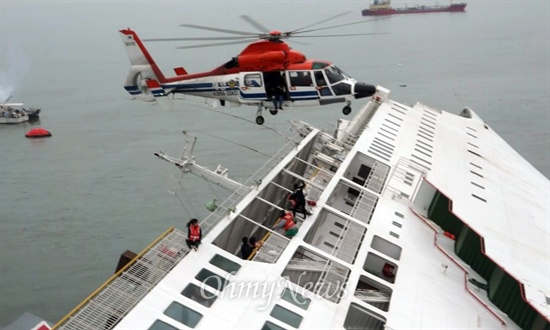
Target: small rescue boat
38 133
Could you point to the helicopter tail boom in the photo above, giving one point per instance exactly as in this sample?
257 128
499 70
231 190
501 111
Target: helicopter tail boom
144 78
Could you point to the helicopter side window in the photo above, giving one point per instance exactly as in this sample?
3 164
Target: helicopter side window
300 78
320 79
334 75
253 80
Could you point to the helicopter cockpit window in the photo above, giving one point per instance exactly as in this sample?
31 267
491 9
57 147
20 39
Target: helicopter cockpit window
342 72
300 78
334 75
253 80
319 65
342 89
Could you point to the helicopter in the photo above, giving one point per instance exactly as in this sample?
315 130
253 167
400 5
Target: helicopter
249 78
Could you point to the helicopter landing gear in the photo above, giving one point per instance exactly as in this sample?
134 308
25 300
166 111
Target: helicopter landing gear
347 109
273 111
259 119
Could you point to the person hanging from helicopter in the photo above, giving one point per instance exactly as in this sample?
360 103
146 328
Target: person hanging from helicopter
278 90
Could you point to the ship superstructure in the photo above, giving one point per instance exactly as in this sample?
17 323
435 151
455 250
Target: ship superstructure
422 219
383 7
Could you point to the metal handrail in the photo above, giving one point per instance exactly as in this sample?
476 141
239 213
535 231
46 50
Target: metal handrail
135 280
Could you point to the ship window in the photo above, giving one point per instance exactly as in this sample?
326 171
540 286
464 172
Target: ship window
481 176
183 314
284 315
397 224
383 246
270 326
359 317
200 295
475 165
329 245
481 199
400 215
470 151
211 279
160 325
296 299
225 264
477 185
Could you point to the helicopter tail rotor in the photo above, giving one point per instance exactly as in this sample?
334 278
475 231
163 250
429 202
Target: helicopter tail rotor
144 78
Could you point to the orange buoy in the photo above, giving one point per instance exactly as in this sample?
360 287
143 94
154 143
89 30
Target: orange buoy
38 133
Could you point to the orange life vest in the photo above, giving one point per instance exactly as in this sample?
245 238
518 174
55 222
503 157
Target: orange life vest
194 233
289 223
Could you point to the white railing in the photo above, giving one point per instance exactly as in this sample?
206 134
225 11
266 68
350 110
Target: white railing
106 306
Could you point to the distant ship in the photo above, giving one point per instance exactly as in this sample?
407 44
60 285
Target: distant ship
383 7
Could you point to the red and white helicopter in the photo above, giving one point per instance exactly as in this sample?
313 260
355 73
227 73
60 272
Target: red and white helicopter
247 78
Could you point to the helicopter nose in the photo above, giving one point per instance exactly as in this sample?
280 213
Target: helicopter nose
363 90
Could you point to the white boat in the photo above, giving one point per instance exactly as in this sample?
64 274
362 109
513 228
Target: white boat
423 220
15 113
12 115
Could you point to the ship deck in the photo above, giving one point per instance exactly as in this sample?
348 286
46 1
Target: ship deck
402 194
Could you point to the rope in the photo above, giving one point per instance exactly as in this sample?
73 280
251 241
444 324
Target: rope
182 203
236 143
244 119
189 200
212 190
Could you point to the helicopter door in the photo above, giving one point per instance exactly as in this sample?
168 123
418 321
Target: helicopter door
322 85
301 86
252 88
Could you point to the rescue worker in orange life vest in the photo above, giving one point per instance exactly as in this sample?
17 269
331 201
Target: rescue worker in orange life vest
286 222
194 234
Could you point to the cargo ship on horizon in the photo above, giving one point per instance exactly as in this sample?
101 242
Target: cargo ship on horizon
383 7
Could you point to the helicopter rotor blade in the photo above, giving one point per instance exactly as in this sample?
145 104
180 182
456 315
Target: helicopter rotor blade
202 38
243 33
339 35
255 23
298 42
320 22
215 44
339 25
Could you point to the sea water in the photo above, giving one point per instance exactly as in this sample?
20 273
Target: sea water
72 203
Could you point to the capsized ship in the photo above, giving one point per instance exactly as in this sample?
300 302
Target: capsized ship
383 7
423 219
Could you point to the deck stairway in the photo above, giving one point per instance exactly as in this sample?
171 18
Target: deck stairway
272 247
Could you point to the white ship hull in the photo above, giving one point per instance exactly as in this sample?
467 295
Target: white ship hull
423 219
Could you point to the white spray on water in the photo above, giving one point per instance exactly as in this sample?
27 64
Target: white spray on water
14 65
